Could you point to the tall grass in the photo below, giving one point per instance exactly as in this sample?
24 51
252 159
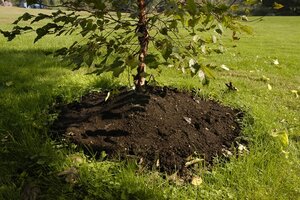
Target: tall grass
32 163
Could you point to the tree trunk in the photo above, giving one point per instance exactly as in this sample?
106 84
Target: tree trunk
143 37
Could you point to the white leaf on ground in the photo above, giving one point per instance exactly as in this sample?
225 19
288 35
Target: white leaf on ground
107 96
183 70
275 62
296 93
157 163
201 75
264 78
196 180
195 38
224 67
192 62
214 39
188 120
192 162
244 18
269 87
9 83
242 149
226 153
203 49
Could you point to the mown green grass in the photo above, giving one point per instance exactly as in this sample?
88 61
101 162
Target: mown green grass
31 81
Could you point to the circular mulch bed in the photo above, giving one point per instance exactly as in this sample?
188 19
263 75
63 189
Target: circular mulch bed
161 127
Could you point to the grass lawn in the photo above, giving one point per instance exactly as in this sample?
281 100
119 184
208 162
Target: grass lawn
263 66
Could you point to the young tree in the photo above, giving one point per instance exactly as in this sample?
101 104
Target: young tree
118 34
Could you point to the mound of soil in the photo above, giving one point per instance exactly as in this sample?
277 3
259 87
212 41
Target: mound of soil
161 127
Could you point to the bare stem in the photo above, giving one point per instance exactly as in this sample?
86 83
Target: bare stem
143 37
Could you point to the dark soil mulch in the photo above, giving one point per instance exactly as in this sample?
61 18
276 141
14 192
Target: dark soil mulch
160 124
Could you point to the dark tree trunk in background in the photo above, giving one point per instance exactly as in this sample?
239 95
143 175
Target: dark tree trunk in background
143 37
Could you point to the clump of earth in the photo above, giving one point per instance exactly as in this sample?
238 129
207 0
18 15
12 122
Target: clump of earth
161 128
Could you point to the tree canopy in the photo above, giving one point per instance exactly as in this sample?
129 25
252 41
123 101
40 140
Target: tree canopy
117 34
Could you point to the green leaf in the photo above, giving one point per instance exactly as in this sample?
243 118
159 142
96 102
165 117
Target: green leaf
25 17
41 32
119 15
173 25
164 31
131 61
191 7
17 30
277 6
166 49
62 51
151 61
117 27
234 7
59 12
40 17
219 31
117 67
246 29
193 22
282 137
77 60
207 71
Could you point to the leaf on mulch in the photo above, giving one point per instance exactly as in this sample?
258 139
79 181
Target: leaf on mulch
188 120
192 162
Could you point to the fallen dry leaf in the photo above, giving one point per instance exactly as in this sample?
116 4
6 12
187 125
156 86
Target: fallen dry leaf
296 93
196 181
224 67
9 83
192 162
275 62
188 120
269 87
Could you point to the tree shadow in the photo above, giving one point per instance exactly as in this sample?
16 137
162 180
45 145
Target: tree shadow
29 67
30 81
36 69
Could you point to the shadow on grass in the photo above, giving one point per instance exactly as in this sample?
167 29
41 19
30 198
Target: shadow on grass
28 69
30 81
25 64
